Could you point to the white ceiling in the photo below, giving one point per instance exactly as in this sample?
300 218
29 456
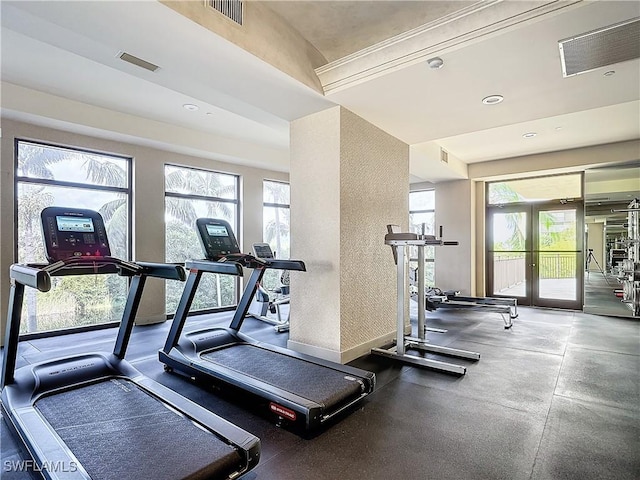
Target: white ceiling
60 67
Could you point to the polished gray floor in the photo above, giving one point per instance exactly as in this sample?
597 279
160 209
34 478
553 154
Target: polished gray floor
555 397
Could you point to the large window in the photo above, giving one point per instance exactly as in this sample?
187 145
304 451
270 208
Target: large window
422 204
48 175
191 194
275 224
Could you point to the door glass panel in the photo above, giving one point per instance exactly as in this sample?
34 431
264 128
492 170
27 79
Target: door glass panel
557 257
509 256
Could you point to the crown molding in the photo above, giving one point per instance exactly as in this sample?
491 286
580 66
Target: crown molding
466 26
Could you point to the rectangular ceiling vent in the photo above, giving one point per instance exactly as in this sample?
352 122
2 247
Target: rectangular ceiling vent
127 57
599 48
444 155
229 8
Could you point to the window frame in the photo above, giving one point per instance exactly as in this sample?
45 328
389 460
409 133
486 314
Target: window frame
427 259
21 179
237 230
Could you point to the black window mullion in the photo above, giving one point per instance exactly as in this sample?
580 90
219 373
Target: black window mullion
276 205
64 184
193 196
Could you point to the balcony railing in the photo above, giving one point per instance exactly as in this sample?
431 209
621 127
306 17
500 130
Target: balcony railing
509 270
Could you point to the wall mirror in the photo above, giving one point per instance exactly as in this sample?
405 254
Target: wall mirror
608 193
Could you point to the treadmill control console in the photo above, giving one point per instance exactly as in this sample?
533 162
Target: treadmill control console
73 232
217 238
262 250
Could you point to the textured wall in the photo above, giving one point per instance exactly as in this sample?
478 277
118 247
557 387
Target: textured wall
315 229
348 181
455 211
374 191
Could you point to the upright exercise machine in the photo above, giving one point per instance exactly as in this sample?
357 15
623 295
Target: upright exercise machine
629 272
265 301
297 389
92 415
399 241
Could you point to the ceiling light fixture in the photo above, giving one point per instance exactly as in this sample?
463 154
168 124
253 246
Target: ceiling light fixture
191 107
529 135
609 73
492 99
435 63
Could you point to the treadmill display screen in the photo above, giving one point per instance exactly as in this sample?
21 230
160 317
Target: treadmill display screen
75 224
217 230
73 232
217 238
263 250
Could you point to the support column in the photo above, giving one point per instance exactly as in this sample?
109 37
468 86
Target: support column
349 179
455 211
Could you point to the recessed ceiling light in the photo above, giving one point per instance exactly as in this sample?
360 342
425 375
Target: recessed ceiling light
191 107
209 113
435 62
492 99
558 128
529 135
609 73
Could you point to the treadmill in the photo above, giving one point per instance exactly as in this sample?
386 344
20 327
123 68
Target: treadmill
297 389
92 415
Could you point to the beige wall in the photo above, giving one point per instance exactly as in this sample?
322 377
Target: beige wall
573 160
595 241
565 161
455 212
348 181
263 34
148 201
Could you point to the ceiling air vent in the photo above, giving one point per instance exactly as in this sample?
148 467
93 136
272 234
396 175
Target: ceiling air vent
229 8
608 45
444 156
138 62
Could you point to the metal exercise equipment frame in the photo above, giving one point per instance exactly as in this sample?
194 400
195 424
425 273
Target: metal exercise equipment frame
506 307
263 302
297 389
399 243
75 414
629 274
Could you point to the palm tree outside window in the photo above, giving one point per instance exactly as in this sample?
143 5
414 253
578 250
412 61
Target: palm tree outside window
422 211
275 224
192 193
51 175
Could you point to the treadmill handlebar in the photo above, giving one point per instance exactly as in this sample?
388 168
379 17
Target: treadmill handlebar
163 270
226 268
39 275
232 264
294 265
30 276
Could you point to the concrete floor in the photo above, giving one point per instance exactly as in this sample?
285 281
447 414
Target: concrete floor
555 397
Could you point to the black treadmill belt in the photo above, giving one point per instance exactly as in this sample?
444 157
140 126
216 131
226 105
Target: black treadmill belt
117 431
319 384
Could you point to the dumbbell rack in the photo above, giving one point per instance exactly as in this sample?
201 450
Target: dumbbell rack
630 275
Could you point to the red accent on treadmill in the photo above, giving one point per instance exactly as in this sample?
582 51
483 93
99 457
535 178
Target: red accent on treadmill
282 411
